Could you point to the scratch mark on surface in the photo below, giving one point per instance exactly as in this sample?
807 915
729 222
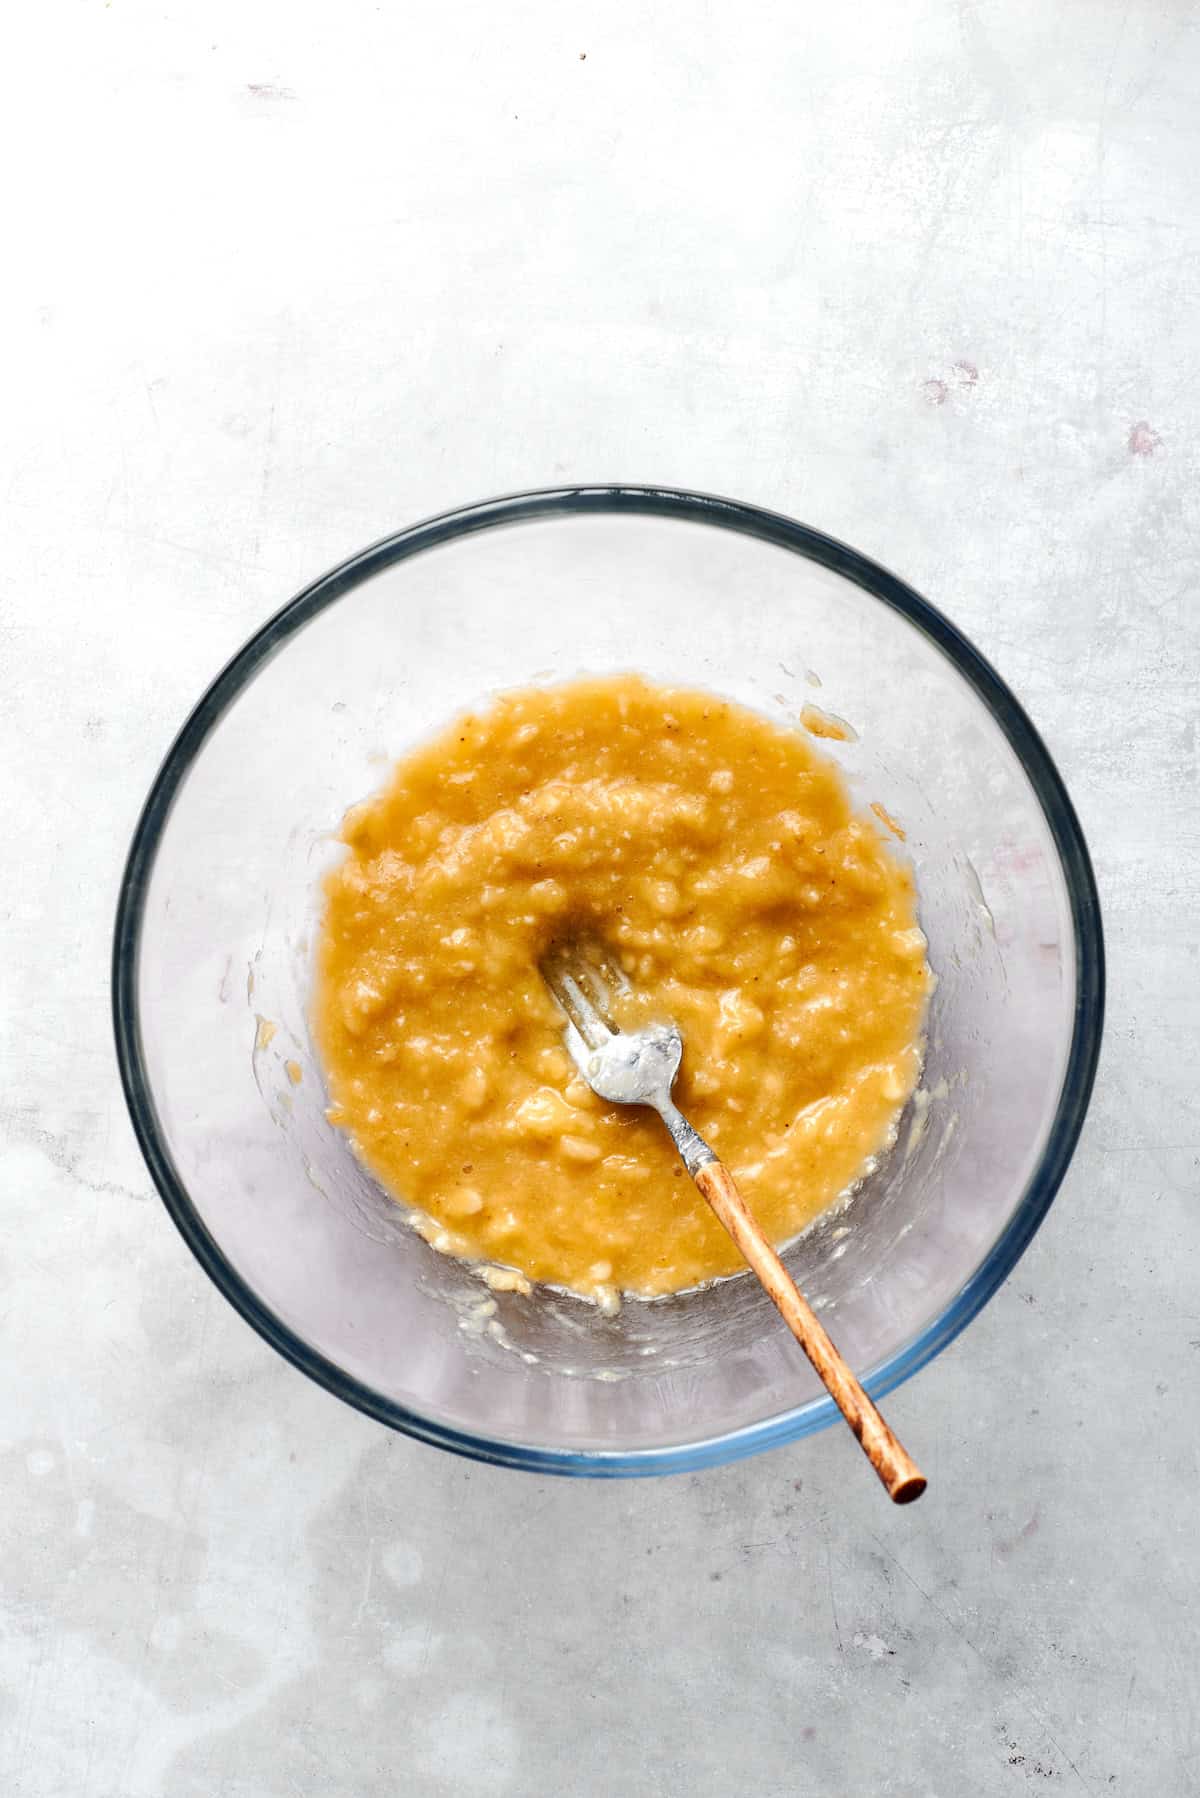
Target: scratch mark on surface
961 1635
211 557
19 1128
268 469
833 1610
366 1591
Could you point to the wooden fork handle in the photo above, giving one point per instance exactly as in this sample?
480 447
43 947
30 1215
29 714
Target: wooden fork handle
895 1467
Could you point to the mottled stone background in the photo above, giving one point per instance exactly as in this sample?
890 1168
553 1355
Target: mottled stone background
284 277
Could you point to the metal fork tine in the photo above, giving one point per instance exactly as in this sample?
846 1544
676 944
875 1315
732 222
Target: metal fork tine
587 1019
595 989
610 969
567 977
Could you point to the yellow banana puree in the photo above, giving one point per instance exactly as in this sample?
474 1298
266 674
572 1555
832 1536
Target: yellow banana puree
719 856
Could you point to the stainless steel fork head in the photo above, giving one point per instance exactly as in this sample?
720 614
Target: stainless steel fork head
626 1067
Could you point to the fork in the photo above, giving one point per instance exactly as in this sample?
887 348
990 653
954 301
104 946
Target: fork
638 1067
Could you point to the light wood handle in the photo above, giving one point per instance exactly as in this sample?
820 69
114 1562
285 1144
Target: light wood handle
899 1473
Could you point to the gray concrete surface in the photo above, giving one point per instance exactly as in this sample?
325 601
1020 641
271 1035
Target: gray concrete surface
289 276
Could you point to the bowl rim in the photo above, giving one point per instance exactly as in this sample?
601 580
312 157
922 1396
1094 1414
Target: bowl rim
770 527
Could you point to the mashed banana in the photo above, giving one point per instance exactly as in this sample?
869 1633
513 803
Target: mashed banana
719 856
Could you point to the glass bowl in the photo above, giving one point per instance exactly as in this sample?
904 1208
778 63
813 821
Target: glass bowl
217 917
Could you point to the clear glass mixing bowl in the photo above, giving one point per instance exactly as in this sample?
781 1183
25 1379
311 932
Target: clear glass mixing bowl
216 923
